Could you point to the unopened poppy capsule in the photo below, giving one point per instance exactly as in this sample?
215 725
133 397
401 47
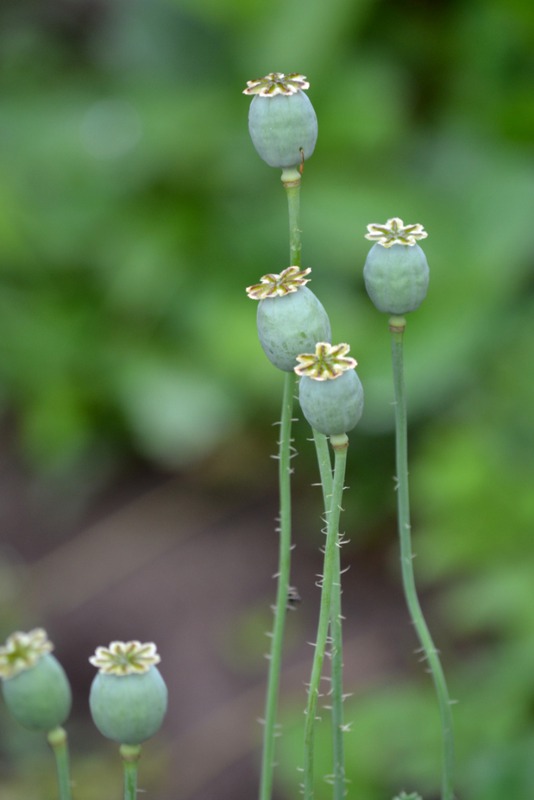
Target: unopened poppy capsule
290 318
35 687
128 697
396 271
281 120
330 391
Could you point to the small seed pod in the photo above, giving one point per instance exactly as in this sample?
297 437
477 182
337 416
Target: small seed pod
128 697
290 318
281 120
35 687
396 271
330 391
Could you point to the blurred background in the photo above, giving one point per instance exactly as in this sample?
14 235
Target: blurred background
137 493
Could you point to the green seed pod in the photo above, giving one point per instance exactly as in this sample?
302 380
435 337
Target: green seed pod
39 697
396 272
396 279
128 697
291 325
281 120
330 392
290 318
332 407
35 687
128 708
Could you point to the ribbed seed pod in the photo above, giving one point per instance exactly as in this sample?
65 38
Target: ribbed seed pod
128 697
40 697
396 271
330 391
128 708
281 120
290 318
35 687
332 407
291 325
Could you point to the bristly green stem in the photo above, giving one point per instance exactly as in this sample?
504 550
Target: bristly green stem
331 556
57 739
336 658
291 182
130 758
284 566
397 326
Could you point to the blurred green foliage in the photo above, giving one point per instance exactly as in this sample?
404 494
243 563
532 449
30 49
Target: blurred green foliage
134 211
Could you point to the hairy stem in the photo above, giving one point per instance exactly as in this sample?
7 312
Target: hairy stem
331 557
57 739
291 182
130 759
284 566
397 326
336 658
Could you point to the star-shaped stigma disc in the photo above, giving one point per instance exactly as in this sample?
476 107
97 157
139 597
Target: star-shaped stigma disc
277 83
394 231
125 658
328 362
278 285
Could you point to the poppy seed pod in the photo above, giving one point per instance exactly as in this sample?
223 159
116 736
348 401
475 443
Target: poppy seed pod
332 407
282 121
128 708
290 318
396 271
330 391
35 687
128 697
291 325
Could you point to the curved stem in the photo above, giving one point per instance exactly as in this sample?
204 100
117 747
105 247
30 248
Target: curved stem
57 739
336 658
331 555
397 326
284 565
130 758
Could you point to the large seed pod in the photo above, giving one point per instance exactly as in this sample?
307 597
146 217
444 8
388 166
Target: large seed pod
290 325
39 697
334 406
283 128
396 277
128 708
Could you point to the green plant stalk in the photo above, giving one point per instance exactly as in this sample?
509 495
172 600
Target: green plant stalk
336 659
130 758
291 182
284 567
397 326
57 739
331 556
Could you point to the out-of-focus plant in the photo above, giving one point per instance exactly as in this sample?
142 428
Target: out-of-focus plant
38 694
128 698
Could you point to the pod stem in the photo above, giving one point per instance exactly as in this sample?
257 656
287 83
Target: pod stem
397 326
130 754
284 566
336 657
291 180
327 607
291 183
58 741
